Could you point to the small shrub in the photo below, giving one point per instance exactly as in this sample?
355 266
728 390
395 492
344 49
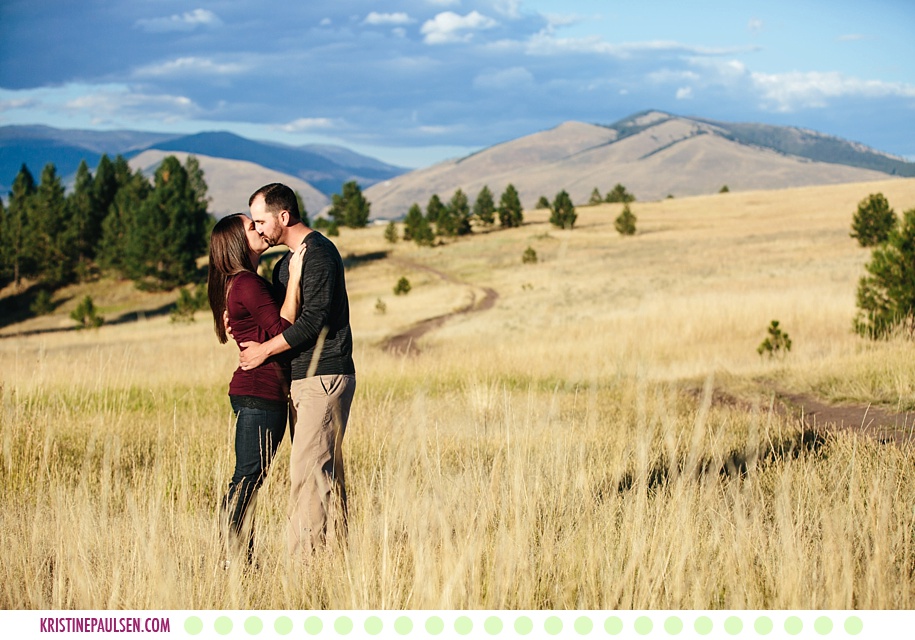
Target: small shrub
188 303
724 189
625 222
402 287
543 203
529 256
380 307
86 315
778 343
42 304
390 232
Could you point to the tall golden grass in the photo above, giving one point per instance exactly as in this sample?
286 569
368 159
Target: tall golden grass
565 449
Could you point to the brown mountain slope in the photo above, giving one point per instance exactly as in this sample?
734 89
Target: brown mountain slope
231 182
665 155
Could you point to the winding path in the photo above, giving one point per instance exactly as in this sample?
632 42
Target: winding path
404 343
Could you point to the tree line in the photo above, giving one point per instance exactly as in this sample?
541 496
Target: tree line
151 232
457 217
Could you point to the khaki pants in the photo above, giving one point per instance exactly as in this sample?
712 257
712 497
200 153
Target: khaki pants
317 499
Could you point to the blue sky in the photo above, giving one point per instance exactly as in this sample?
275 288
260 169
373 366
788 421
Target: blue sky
413 82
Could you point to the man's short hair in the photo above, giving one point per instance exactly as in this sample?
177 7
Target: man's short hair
278 197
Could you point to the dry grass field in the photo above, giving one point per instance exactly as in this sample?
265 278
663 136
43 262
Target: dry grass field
568 448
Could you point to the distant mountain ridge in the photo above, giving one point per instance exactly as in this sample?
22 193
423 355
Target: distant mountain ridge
794 141
325 167
653 153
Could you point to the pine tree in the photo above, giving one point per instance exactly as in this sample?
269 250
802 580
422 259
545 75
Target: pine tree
85 216
390 232
625 222
435 211
596 197
510 212
873 221
619 194
303 212
51 245
5 264
563 211
417 228
113 251
455 221
19 215
886 296
484 207
169 234
106 183
350 207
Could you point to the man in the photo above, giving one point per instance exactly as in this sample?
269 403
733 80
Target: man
323 373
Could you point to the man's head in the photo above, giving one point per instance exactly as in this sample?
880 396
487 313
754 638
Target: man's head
274 208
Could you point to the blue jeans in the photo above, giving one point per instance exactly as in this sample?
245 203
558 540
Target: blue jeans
259 428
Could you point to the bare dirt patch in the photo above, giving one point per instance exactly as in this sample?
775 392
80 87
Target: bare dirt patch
405 341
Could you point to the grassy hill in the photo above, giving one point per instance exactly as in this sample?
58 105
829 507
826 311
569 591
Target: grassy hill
653 154
604 437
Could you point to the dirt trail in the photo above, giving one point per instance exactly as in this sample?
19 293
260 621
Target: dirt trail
875 422
405 341
881 424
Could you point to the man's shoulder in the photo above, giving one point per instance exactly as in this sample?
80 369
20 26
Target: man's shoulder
319 243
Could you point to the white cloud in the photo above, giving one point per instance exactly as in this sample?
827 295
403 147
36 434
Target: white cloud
400 18
755 25
509 8
449 27
187 21
190 66
545 43
306 124
17 103
445 3
789 91
669 76
120 105
684 93
504 78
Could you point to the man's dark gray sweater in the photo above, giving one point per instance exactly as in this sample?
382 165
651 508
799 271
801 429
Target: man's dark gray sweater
324 304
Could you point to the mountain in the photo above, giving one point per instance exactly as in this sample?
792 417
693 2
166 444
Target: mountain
652 153
325 167
231 182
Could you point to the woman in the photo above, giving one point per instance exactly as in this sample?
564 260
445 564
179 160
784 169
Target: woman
242 300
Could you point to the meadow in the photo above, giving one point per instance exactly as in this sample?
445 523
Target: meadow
605 436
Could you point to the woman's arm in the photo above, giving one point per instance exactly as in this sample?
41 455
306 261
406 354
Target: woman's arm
293 301
252 295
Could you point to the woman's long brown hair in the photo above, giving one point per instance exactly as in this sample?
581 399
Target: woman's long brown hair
229 255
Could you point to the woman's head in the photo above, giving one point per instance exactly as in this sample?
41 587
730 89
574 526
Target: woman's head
232 242
234 247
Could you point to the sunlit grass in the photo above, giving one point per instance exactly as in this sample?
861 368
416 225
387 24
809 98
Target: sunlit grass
565 449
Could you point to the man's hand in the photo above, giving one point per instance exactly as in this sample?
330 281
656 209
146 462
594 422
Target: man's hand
225 322
252 355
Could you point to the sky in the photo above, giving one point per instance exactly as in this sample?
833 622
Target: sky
414 82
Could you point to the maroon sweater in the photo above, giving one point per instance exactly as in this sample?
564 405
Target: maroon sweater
254 316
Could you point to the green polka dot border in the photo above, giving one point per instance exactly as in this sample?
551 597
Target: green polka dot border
560 624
